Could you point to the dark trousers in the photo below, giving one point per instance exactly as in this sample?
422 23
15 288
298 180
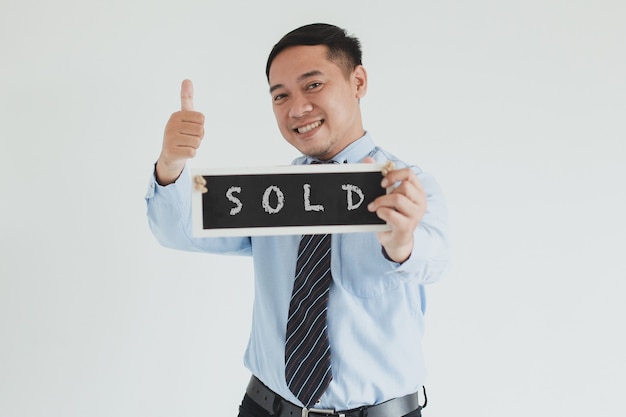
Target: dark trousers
249 408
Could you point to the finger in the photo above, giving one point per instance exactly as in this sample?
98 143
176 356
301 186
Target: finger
183 117
399 175
185 123
394 218
186 95
396 202
369 160
191 129
410 190
188 142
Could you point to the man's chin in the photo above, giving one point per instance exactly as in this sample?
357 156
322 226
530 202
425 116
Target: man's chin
310 148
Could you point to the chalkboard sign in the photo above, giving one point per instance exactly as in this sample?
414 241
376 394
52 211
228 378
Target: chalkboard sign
295 199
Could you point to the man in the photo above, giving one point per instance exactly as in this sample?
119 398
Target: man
372 321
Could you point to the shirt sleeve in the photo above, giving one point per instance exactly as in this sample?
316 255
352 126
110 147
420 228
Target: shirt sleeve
431 253
169 218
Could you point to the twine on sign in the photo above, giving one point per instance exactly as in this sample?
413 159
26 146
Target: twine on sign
387 168
200 184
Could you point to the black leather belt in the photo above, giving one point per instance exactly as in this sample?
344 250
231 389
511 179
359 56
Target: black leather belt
276 405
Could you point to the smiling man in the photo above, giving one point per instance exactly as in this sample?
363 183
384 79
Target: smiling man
316 101
353 348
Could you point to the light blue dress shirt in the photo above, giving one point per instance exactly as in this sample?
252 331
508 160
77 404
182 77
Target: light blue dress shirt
376 306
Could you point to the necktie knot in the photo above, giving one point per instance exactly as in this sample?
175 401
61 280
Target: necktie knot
318 162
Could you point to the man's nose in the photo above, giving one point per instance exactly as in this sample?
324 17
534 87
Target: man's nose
300 106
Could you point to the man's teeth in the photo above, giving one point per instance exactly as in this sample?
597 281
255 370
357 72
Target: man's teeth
309 127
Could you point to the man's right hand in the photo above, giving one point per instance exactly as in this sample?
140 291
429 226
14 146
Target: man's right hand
182 137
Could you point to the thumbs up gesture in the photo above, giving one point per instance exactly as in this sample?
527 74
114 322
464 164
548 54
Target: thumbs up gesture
182 137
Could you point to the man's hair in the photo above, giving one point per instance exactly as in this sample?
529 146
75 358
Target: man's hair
343 50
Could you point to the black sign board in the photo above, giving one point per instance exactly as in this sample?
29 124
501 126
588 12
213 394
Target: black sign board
295 199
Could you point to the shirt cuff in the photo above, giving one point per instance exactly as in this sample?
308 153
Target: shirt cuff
176 192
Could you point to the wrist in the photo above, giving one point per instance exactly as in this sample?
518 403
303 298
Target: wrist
398 254
165 173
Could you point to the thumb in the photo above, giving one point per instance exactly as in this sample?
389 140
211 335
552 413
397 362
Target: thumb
369 160
186 95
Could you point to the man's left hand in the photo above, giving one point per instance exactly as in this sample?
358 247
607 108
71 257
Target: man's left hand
402 208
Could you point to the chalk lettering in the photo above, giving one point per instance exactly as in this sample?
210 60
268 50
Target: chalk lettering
232 198
266 200
307 200
350 188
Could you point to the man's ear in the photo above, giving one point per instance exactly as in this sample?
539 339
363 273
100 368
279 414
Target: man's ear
359 77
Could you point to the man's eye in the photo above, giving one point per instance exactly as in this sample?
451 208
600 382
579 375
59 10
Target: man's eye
279 97
313 86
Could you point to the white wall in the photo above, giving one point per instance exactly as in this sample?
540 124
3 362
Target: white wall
517 107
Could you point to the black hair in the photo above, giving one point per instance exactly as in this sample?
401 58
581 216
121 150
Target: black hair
343 50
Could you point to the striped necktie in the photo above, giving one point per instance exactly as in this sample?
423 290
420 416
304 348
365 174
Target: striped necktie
307 351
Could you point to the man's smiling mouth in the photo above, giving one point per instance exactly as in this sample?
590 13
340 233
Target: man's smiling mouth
309 127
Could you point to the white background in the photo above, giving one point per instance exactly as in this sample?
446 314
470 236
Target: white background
517 107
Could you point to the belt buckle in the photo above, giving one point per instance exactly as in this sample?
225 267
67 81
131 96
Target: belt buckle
309 411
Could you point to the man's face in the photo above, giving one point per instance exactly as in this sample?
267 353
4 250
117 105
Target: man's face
315 102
